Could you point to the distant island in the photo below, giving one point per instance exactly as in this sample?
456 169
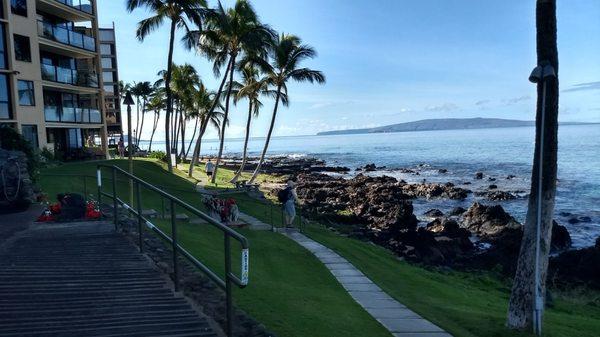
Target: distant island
443 124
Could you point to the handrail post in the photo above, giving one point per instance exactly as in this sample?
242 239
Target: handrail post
272 223
229 304
139 211
115 202
174 240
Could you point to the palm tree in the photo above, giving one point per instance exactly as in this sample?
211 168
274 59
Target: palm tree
180 13
208 115
228 34
522 301
156 104
287 52
142 91
251 89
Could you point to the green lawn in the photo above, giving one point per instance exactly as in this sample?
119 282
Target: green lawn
290 291
294 295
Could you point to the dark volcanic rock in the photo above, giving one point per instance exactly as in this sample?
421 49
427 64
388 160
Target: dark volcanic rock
457 211
488 220
370 167
496 195
510 176
577 267
434 213
442 171
493 187
479 175
431 191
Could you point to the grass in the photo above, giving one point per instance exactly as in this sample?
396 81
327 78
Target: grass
290 291
294 295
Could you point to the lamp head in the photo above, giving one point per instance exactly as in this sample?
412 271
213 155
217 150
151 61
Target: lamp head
543 72
128 100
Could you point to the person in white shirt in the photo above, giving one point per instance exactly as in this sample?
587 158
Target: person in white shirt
210 168
289 207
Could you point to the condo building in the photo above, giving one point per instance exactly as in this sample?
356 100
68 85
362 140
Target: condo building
51 76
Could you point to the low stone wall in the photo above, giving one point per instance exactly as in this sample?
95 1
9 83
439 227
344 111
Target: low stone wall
16 185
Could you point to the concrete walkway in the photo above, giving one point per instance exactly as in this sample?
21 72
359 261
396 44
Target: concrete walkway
84 279
394 316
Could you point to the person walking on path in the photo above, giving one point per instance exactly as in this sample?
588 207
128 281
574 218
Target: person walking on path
121 148
209 168
288 198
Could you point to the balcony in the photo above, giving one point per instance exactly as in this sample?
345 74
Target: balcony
72 115
81 78
85 6
66 36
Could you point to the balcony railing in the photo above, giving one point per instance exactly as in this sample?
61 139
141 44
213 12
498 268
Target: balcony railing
82 78
82 5
66 36
72 115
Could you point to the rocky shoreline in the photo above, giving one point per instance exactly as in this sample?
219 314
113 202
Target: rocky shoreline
367 204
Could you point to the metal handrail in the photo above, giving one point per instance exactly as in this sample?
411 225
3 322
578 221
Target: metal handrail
228 233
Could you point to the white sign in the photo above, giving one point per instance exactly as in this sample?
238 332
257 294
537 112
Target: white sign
99 175
245 263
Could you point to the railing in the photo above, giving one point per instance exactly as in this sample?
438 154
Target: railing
66 36
82 78
72 115
82 5
229 279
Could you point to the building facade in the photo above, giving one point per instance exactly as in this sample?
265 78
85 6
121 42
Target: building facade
110 77
51 88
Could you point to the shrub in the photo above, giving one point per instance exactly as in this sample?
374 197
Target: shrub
160 155
11 140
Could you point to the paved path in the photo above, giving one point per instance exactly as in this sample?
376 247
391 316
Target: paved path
395 317
83 279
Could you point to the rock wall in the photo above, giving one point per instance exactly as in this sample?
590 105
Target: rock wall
16 185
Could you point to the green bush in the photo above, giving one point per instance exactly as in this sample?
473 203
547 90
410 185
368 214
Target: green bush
160 155
11 140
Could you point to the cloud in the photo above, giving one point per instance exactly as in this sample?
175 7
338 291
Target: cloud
446 107
584 87
515 100
483 102
321 105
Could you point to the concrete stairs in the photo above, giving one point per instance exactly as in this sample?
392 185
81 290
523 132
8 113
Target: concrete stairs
83 279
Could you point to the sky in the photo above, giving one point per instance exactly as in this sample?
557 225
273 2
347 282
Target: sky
394 61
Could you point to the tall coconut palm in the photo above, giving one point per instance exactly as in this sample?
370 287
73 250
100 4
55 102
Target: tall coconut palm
207 115
250 89
156 104
287 52
522 301
181 14
142 92
229 34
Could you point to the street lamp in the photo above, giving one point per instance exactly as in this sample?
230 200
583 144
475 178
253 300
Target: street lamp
128 100
540 74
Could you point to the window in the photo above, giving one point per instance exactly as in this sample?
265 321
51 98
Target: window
109 89
107 63
22 48
26 93
19 7
108 76
105 49
4 98
30 134
107 35
3 62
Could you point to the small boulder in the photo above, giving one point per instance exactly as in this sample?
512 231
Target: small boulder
434 213
457 211
493 187
479 175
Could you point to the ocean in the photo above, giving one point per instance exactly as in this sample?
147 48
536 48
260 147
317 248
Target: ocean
497 153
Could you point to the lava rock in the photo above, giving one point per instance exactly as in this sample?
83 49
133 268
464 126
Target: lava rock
479 175
457 211
434 213
488 220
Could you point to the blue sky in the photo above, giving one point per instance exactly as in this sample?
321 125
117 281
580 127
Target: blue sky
393 61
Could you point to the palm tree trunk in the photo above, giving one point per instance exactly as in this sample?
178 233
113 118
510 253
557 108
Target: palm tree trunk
227 99
154 126
268 140
187 153
196 153
169 95
141 124
176 124
137 121
244 155
522 301
194 161
183 122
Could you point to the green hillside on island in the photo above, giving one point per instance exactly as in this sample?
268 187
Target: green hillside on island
442 124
